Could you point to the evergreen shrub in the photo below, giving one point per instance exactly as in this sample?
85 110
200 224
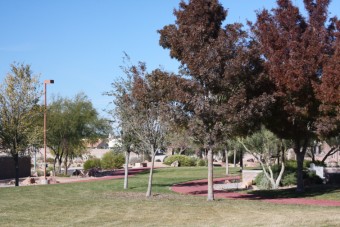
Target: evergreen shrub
182 160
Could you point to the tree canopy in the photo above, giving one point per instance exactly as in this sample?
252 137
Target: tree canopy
71 123
220 68
300 55
19 111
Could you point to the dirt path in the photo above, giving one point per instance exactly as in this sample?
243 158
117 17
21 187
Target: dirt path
118 174
200 188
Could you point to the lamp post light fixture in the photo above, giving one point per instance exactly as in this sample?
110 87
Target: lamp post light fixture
45 107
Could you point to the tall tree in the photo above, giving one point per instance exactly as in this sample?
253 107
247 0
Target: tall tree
19 96
328 91
70 123
143 108
217 65
299 53
122 113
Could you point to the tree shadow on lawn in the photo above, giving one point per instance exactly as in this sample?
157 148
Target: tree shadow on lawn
310 191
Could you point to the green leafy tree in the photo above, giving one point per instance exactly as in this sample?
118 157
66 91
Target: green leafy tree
19 111
72 122
121 94
263 146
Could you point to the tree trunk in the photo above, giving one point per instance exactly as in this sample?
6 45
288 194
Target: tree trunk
300 185
54 164
65 163
332 151
313 151
210 176
300 156
182 151
278 179
278 154
226 162
234 158
241 159
16 166
59 163
127 157
148 192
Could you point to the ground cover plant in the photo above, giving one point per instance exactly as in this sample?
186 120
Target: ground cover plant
106 203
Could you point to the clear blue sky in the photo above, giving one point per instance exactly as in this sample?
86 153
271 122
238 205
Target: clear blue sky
80 43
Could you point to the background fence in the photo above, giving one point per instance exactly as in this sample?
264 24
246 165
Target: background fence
7 168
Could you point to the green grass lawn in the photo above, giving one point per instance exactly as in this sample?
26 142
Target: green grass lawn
106 203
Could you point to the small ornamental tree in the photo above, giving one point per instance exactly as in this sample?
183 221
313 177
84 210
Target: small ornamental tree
301 58
263 145
144 104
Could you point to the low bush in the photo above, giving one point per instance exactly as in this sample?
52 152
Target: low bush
312 178
262 182
202 162
111 160
289 179
92 163
182 160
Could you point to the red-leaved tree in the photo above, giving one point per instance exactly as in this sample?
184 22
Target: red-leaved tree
301 58
219 64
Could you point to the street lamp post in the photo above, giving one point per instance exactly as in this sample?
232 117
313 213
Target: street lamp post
45 107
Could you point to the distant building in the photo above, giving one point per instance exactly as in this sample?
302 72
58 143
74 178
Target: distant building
114 141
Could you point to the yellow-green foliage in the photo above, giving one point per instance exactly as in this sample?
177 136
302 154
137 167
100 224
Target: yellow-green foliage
111 160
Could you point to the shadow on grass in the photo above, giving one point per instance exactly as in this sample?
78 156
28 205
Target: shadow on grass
311 191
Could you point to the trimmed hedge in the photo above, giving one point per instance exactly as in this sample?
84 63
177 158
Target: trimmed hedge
183 160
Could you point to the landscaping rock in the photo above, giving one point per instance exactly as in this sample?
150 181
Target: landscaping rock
175 164
29 181
94 172
52 180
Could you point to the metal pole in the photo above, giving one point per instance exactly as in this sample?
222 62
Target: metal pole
45 131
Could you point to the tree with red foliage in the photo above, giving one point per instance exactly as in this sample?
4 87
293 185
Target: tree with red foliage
219 64
301 58
143 102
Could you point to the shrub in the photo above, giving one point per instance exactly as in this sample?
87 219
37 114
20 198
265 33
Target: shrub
182 160
92 163
313 178
289 179
112 160
201 162
49 169
262 182
40 172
